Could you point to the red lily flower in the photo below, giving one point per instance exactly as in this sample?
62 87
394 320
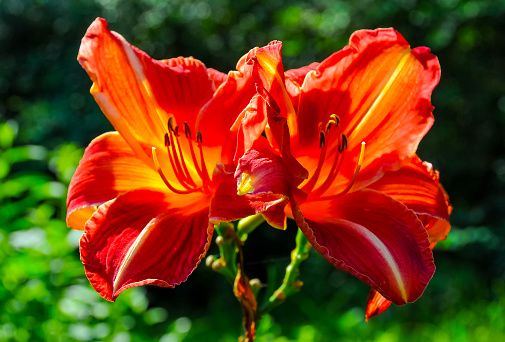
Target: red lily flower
366 211
143 194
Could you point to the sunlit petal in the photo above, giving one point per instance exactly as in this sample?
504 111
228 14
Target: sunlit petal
144 237
108 168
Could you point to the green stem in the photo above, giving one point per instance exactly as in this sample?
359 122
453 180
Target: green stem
290 284
227 263
248 224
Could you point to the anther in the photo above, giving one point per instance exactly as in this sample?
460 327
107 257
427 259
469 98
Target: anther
187 131
328 125
167 140
176 131
322 139
199 136
343 145
170 126
335 118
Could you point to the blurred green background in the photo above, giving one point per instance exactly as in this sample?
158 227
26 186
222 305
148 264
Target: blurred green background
47 117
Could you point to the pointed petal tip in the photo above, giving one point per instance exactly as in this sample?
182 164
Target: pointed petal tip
376 304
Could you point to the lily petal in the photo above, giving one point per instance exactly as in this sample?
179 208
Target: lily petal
138 93
262 188
145 237
373 237
217 77
417 186
294 79
216 119
108 168
252 121
376 304
376 81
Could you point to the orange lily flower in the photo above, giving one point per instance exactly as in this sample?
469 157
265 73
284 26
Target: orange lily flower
373 211
147 196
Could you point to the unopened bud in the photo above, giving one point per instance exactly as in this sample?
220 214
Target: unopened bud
255 284
280 295
298 284
210 260
218 264
219 240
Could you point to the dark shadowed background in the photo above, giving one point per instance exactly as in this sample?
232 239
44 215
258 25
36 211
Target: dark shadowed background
47 117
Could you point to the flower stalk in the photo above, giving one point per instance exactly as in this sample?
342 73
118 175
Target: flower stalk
290 284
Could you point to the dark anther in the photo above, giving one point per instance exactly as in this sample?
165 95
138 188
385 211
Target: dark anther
343 145
337 120
199 136
322 139
328 126
170 126
176 131
167 140
187 131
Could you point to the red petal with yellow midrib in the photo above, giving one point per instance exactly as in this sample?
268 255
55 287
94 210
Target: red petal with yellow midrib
381 90
373 237
138 93
145 237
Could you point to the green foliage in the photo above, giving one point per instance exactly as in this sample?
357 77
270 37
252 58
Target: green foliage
47 116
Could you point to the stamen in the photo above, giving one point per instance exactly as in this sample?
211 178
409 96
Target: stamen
322 140
205 174
313 180
167 140
170 126
186 174
165 180
330 177
199 136
187 131
343 146
328 125
335 118
356 172
174 159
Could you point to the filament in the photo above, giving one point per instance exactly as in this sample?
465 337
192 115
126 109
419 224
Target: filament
165 180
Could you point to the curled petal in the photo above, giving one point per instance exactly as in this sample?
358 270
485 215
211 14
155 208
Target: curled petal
228 204
144 237
373 237
252 121
417 186
108 168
